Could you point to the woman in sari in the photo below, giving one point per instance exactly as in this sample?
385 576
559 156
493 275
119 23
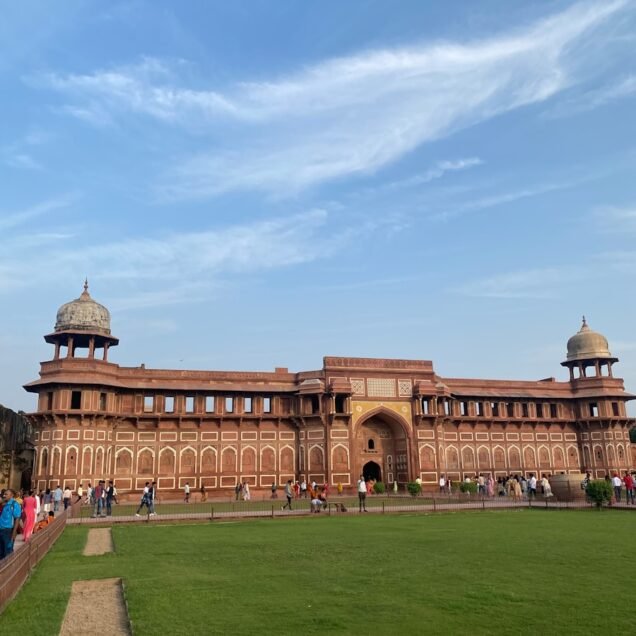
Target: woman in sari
29 506
490 486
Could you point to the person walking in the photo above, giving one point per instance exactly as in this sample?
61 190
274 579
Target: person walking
442 484
246 492
47 499
289 493
145 501
186 492
628 480
237 490
97 500
204 496
68 494
617 482
29 506
362 495
532 487
57 498
152 497
110 495
9 521
80 494
89 495
303 489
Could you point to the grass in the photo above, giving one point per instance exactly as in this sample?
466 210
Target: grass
504 572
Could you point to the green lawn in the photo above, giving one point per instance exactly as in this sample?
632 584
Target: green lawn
504 572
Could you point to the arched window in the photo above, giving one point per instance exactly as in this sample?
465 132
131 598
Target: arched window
371 444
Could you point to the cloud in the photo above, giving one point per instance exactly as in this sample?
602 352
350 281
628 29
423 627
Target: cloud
340 117
179 267
616 220
540 283
590 100
9 220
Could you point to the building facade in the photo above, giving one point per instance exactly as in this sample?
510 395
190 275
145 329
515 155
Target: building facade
392 420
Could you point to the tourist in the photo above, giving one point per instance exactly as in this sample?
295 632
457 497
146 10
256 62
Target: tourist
418 481
481 485
362 494
80 494
288 494
204 496
38 506
395 487
628 480
246 492
313 485
67 497
89 494
546 487
9 521
516 489
449 486
237 490
532 486
110 495
29 508
57 498
296 489
152 497
490 486
115 494
186 492
617 482
303 488
48 518
97 500
274 487
48 501
442 484
145 500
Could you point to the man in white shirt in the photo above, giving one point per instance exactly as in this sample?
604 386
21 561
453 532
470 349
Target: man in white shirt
442 484
186 492
362 494
617 482
532 486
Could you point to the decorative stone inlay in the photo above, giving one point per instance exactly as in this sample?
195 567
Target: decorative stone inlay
379 387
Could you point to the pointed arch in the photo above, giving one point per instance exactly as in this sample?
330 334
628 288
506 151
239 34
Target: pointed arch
400 426
145 461
611 455
499 456
573 456
123 461
587 456
316 458
56 460
483 457
529 457
427 457
268 459
44 461
558 457
468 458
70 461
248 460
599 455
340 458
87 460
167 461
209 460
514 457
228 459
287 460
620 453
187 461
544 457
452 458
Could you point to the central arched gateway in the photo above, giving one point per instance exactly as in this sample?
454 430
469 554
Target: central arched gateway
381 448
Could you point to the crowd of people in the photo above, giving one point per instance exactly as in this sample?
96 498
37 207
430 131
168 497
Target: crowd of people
515 486
626 483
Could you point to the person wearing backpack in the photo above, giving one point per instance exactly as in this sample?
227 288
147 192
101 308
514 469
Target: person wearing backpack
9 521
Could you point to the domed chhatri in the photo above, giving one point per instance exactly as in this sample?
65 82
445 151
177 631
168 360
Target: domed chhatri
83 314
588 345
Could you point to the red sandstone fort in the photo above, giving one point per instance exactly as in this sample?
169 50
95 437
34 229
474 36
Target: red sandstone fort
393 420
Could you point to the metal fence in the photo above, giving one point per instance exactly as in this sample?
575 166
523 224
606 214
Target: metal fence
344 505
15 569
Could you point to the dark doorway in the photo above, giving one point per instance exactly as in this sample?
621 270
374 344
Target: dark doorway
372 471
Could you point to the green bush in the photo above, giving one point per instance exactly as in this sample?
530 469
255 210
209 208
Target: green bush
378 488
468 486
599 491
414 488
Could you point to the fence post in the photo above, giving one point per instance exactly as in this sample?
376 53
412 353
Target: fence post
272 512
211 513
383 507
483 503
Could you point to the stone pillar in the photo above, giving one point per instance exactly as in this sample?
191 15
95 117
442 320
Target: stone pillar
57 351
91 347
105 352
70 352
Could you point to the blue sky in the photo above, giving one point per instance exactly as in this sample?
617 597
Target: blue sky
258 184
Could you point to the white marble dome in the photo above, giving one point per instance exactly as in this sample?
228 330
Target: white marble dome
83 314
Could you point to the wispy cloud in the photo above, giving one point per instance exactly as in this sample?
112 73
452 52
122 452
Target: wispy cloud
13 219
341 117
179 267
616 219
590 100
532 283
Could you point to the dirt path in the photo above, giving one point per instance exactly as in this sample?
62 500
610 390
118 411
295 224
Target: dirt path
96 607
99 541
